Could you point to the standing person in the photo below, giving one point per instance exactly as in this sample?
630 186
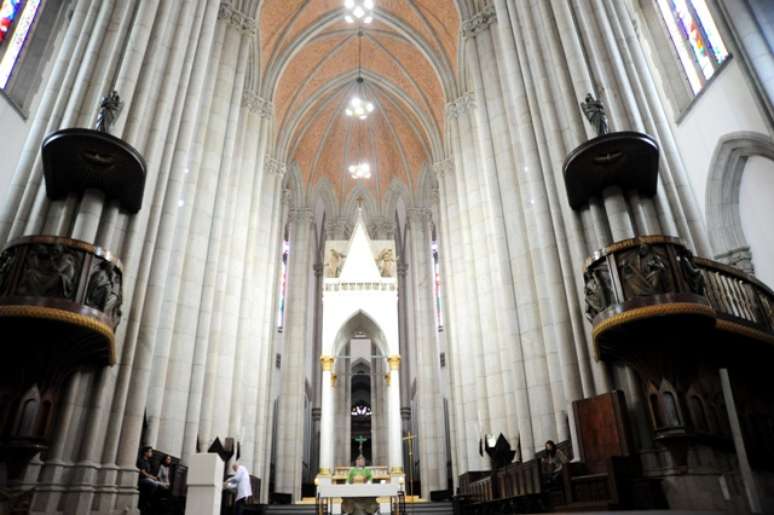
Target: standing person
241 482
553 462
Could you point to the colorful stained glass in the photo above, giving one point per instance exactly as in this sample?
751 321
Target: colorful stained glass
695 38
437 274
8 11
19 37
284 284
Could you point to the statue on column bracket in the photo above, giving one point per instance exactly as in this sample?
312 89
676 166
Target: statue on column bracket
595 113
109 108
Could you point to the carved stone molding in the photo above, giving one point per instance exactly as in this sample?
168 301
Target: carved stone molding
300 215
441 168
460 105
419 215
479 22
237 19
258 105
361 286
274 166
740 258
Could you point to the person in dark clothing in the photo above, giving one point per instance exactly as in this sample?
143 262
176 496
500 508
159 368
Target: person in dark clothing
148 483
552 463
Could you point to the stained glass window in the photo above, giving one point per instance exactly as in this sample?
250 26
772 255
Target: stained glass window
437 281
695 37
13 47
283 285
8 11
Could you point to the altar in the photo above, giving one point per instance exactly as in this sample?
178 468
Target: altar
332 495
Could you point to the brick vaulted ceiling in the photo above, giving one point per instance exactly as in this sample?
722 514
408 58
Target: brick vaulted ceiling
309 61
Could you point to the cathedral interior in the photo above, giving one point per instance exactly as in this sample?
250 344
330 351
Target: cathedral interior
511 253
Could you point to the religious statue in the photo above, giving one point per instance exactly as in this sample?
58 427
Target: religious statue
595 112
109 108
691 273
334 263
7 260
596 291
385 260
644 272
49 271
104 289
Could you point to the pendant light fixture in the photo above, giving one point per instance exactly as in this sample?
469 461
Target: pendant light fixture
358 107
361 169
359 10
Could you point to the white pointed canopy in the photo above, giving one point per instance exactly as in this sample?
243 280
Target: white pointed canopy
360 265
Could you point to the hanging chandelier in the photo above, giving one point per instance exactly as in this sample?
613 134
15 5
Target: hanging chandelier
361 170
359 10
358 107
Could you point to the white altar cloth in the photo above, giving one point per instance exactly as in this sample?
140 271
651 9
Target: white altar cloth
337 492
359 490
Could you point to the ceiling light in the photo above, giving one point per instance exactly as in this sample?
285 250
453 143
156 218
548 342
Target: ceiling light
359 10
361 170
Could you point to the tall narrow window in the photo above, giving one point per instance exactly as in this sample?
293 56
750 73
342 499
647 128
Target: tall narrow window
283 285
17 27
695 37
437 283
8 11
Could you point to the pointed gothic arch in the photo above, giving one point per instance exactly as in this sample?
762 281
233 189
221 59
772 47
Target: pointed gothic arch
724 221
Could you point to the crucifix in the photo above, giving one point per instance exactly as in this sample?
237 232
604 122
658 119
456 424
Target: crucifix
409 439
360 439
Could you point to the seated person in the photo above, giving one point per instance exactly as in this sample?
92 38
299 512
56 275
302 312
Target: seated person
552 463
148 482
165 472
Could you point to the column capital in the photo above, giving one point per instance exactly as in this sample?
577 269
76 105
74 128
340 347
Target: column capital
419 215
274 166
441 168
327 362
460 105
479 22
394 361
236 18
396 471
257 104
324 472
300 215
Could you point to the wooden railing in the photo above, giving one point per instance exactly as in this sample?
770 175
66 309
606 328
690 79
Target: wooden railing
738 298
646 281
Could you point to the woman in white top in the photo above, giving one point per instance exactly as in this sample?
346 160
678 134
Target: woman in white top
163 474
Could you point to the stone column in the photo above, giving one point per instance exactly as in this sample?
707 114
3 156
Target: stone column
429 400
327 438
316 376
394 429
297 334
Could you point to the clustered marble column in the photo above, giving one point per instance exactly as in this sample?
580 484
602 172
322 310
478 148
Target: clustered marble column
508 237
296 343
199 278
429 412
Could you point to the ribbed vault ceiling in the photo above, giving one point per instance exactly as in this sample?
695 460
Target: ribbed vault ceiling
309 60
